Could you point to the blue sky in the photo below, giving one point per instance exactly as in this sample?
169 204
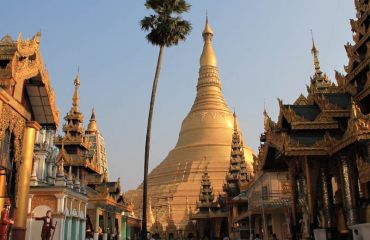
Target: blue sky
263 51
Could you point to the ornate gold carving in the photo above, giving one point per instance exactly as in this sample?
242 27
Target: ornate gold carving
361 8
358 123
301 100
324 103
351 53
268 123
25 62
13 121
290 114
357 27
341 80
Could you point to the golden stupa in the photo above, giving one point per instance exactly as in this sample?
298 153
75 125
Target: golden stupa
204 140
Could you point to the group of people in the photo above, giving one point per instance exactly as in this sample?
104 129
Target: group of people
6 222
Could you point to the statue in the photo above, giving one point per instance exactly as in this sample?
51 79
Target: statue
47 226
6 221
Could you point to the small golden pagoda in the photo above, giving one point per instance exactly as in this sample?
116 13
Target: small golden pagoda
204 140
82 156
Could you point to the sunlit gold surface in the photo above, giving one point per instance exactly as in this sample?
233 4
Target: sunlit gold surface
208 56
204 140
25 174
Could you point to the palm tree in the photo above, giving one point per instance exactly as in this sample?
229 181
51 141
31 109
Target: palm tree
166 28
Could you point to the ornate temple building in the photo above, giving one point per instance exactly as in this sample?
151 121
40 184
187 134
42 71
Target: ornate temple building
82 164
26 104
66 198
215 216
322 141
210 217
204 140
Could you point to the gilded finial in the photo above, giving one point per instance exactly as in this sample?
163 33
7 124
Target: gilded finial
93 114
208 57
235 122
76 98
315 53
92 127
207 28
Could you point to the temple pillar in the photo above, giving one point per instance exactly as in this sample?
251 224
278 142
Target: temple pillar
217 228
2 188
83 231
294 190
41 166
119 233
23 184
96 227
60 202
34 179
29 209
327 198
201 228
308 174
349 188
50 178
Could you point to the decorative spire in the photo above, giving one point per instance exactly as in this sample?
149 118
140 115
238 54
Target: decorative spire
237 175
319 82
206 196
209 93
76 98
150 215
70 177
208 57
92 127
235 122
315 53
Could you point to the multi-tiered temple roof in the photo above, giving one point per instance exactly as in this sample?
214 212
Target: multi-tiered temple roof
238 175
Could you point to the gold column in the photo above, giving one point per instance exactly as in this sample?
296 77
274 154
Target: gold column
293 185
23 175
2 188
309 188
96 226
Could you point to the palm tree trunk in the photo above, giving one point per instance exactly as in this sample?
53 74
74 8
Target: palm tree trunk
147 144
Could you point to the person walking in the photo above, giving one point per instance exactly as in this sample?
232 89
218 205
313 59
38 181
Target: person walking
47 226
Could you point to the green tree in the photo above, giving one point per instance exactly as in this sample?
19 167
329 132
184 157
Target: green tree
166 28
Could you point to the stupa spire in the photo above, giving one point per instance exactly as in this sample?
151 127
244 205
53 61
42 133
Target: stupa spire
208 57
76 97
320 81
209 85
235 122
315 54
92 127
